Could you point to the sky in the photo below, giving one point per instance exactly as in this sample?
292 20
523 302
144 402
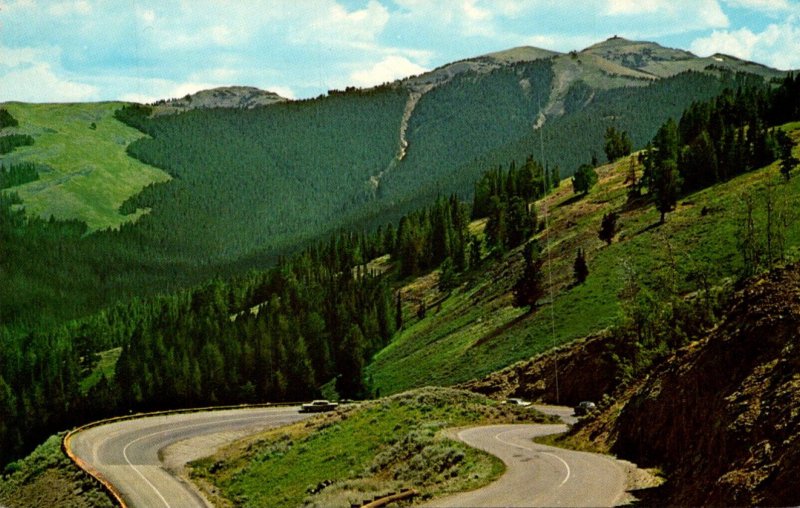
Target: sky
145 50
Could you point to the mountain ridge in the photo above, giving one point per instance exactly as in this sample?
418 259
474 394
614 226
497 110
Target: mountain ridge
235 96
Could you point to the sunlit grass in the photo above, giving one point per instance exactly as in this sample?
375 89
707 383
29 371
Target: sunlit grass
85 172
477 331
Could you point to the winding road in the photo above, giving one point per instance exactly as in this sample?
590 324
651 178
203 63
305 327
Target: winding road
139 456
143 458
539 475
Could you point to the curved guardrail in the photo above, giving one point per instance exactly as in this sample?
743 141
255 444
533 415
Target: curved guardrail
112 491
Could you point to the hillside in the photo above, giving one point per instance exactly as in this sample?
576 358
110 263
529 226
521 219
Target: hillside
476 330
84 171
720 416
238 186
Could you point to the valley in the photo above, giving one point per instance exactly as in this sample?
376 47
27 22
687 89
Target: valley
386 244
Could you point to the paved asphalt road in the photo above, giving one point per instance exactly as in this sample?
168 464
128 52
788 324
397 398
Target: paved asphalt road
127 452
538 475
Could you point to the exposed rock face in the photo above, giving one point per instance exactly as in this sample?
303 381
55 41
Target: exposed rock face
722 416
240 97
585 372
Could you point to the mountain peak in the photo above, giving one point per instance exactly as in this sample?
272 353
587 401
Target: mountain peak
521 54
239 97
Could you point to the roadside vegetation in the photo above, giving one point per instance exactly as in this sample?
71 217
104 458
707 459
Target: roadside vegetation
360 452
47 477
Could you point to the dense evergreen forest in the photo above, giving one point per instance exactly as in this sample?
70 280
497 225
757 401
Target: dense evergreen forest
718 139
249 186
17 174
277 335
320 315
570 140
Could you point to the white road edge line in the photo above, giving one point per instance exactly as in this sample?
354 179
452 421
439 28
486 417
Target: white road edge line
125 449
566 466
125 456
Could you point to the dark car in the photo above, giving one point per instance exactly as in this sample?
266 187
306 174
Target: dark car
318 406
584 408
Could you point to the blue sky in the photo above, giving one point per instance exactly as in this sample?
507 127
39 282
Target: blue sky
88 50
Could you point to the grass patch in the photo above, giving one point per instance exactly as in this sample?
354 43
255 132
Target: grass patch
361 452
105 367
477 331
84 171
47 477
569 442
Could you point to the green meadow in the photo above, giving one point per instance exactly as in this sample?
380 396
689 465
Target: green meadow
84 170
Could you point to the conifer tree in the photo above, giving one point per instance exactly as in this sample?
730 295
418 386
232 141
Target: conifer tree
608 227
584 179
529 289
580 268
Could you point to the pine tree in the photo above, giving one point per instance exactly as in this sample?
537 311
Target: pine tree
529 289
350 381
398 312
665 181
630 176
608 227
584 179
580 268
788 160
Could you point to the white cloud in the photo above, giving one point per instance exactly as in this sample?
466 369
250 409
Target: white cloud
13 57
38 83
284 91
332 24
148 16
651 18
770 6
388 69
778 45
81 7
633 7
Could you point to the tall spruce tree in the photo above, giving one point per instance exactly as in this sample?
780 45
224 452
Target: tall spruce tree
529 288
580 268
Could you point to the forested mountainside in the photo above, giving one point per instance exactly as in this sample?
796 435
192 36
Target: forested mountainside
242 189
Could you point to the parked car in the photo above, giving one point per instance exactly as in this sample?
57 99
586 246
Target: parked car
584 408
517 402
318 406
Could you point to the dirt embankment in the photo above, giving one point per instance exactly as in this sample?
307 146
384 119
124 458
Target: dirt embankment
583 370
722 416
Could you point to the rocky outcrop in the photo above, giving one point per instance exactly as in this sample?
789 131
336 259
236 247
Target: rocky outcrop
238 97
722 415
582 370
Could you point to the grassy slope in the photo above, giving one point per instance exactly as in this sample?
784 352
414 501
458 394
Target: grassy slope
366 450
47 477
86 172
477 331
105 367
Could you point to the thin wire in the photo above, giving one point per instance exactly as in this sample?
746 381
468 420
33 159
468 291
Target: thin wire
549 269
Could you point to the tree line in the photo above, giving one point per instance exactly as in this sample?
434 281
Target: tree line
719 139
17 174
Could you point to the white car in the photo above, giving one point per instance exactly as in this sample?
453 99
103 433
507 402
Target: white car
517 402
318 406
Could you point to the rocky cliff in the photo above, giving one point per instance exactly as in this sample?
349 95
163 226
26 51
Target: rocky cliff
722 416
